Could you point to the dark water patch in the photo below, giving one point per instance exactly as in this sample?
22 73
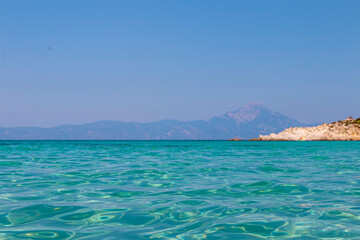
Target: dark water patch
177 146
319 158
191 202
247 202
178 164
137 219
95 217
206 192
88 175
339 215
79 216
143 171
10 163
254 185
28 198
337 234
224 212
72 183
271 168
39 234
126 194
284 189
33 213
288 211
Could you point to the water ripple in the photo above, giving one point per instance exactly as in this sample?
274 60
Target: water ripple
179 190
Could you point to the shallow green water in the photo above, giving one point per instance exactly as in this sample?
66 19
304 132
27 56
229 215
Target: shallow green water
179 190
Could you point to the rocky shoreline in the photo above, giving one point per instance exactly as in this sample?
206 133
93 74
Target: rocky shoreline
344 130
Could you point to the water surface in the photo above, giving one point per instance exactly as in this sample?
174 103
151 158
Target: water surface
179 190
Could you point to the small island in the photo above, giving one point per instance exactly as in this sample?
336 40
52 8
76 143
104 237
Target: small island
344 130
235 139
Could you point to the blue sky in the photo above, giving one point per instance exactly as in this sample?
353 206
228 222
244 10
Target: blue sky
81 61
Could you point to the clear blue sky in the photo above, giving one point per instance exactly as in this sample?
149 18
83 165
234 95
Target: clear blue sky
81 61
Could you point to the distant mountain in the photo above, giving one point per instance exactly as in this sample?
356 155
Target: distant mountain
248 122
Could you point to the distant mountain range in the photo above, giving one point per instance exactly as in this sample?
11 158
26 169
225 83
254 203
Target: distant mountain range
248 122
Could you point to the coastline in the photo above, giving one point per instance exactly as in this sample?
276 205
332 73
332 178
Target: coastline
344 130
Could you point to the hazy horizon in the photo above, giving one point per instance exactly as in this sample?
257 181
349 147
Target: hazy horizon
104 120
79 62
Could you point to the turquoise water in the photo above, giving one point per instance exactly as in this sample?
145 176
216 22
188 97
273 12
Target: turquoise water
179 190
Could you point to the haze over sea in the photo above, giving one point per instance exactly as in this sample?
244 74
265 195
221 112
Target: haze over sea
179 190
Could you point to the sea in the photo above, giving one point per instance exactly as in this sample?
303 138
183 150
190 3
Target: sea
179 190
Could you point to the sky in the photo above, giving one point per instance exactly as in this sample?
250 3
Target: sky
73 62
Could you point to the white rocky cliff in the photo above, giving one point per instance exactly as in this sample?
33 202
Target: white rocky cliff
345 130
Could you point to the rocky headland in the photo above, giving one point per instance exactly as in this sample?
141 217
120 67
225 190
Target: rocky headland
344 130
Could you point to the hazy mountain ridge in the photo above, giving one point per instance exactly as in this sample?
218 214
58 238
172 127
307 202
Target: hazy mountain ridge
248 122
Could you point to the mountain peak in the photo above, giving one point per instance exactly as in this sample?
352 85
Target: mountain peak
245 123
246 113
